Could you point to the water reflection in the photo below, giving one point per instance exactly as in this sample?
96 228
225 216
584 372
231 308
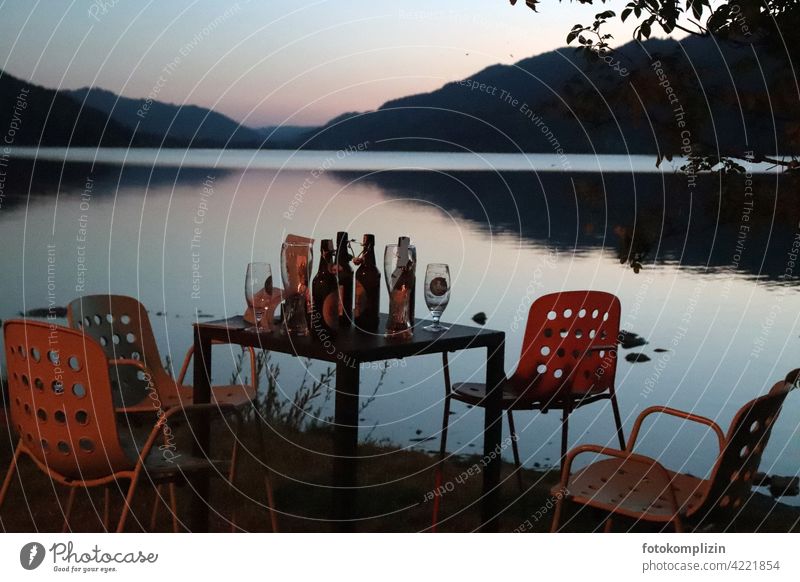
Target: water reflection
179 240
745 224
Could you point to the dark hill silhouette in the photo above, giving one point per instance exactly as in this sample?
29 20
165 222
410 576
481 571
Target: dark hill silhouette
564 100
556 101
284 135
52 118
188 124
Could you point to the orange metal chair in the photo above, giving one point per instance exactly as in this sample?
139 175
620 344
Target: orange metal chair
61 407
640 488
121 325
568 360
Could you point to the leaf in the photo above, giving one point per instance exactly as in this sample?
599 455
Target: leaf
697 7
606 14
625 14
571 36
532 4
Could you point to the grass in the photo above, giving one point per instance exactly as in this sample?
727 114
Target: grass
394 496
396 484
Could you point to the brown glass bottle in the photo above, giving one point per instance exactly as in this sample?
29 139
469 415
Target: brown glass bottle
344 278
367 308
325 292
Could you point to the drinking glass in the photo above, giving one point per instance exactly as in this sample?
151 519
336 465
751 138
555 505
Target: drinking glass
400 275
296 261
258 290
437 293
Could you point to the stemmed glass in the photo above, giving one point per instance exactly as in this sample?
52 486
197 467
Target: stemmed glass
258 290
296 260
437 293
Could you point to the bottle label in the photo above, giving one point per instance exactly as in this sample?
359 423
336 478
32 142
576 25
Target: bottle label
330 311
361 300
438 286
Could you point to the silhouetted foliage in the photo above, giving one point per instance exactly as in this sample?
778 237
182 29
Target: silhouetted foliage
767 28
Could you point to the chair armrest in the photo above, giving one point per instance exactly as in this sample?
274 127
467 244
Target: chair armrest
129 362
680 414
158 427
190 354
604 347
185 366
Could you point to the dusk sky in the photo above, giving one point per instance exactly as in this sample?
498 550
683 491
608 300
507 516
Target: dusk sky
276 62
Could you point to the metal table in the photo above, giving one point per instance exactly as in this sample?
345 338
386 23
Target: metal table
351 348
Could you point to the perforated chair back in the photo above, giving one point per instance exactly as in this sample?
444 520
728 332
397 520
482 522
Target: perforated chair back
748 435
119 324
569 346
60 400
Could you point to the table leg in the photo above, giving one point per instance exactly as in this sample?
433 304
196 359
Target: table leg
492 436
202 395
345 463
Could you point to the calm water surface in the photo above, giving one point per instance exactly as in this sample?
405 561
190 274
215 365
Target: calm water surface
709 289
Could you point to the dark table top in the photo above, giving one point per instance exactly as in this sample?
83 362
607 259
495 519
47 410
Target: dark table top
350 343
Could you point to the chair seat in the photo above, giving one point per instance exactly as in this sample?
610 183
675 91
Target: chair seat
159 466
474 393
178 395
635 489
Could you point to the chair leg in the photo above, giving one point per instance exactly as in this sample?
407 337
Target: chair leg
608 525
173 505
515 449
618 420
106 508
677 524
565 412
556 523
439 473
273 515
156 504
12 469
127 507
70 502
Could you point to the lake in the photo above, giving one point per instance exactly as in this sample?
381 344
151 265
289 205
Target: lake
704 267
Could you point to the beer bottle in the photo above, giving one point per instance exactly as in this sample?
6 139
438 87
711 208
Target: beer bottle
344 278
325 291
368 287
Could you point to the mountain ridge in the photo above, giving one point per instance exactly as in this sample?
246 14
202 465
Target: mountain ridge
557 101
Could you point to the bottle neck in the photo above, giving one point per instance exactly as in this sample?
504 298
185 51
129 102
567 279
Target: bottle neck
343 255
368 256
324 263
342 251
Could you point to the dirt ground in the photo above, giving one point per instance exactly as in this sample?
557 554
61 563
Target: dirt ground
395 496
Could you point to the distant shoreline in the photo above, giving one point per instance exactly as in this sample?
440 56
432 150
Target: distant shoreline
346 160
